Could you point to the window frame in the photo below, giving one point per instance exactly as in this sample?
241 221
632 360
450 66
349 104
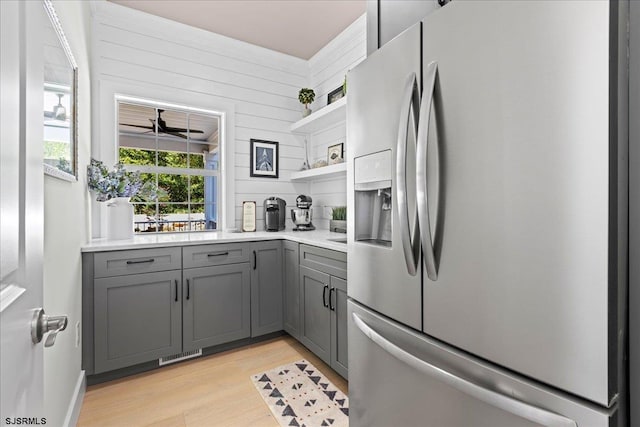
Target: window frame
223 158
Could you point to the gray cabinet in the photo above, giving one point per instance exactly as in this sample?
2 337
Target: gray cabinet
323 298
215 305
338 307
316 316
291 308
137 318
266 288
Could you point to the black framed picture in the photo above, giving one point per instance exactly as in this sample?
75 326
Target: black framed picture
335 154
263 158
334 95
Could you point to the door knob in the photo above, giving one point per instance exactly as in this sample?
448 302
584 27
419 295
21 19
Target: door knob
42 324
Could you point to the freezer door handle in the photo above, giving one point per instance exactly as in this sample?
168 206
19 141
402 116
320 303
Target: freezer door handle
497 400
410 105
421 171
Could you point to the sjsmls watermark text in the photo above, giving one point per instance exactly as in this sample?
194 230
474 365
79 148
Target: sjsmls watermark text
25 421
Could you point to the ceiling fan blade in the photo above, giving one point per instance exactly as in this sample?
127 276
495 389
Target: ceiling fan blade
171 129
138 126
176 134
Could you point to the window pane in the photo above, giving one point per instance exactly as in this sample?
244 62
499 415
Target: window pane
203 217
172 138
135 156
136 134
203 141
144 215
197 186
174 217
174 188
171 159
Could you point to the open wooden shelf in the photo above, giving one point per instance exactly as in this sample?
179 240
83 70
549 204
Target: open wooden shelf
331 171
323 118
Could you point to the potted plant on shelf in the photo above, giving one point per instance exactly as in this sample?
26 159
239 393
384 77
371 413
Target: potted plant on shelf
306 97
116 188
338 222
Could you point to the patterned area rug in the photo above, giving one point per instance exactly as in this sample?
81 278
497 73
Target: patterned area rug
300 396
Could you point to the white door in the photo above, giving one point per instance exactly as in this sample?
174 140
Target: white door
21 207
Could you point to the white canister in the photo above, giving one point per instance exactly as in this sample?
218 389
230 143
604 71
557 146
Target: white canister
120 218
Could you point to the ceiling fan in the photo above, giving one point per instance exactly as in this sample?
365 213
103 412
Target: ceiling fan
163 128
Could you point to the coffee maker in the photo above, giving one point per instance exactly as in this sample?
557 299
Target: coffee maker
301 215
274 214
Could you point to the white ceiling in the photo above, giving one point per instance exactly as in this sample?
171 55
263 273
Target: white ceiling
296 27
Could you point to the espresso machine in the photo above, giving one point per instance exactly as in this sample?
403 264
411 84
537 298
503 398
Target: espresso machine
274 214
301 215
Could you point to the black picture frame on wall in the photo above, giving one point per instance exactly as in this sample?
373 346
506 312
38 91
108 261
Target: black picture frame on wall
264 158
334 95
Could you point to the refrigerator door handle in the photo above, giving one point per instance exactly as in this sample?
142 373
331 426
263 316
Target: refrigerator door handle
497 400
410 105
422 199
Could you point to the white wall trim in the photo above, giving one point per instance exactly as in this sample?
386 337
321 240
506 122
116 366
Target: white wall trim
73 413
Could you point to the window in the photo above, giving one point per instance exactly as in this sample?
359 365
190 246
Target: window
177 148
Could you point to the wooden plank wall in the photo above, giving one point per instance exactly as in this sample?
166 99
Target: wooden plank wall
137 52
327 72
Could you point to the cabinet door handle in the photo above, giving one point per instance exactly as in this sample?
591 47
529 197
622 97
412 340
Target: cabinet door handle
144 261
324 296
255 260
188 290
331 306
218 254
176 300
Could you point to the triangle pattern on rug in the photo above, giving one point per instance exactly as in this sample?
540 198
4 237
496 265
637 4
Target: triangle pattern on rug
288 412
307 395
331 393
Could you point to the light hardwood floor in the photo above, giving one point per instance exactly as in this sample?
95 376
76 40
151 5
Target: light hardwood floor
210 391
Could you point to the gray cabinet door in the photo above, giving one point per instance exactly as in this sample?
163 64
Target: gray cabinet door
137 319
291 309
266 288
316 316
216 305
338 307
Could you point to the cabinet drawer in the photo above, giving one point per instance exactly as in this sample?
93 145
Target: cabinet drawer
218 254
120 263
325 260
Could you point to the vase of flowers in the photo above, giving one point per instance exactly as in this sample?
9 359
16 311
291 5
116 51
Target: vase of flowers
116 188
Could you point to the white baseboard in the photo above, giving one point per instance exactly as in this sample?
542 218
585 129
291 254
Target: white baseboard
73 413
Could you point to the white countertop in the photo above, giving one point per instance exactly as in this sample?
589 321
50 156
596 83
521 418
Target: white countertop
140 241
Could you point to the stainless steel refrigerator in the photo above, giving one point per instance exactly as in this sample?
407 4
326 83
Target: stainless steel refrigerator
487 219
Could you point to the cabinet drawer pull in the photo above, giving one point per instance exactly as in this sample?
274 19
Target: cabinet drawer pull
144 261
219 254
331 306
176 300
255 260
188 289
324 296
